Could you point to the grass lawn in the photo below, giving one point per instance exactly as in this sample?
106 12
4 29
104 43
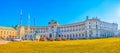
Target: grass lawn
108 45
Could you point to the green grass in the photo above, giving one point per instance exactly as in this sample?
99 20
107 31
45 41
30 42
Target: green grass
108 45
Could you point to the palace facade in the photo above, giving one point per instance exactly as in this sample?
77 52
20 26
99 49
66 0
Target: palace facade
90 28
7 32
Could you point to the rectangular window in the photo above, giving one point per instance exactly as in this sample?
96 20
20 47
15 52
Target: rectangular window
89 26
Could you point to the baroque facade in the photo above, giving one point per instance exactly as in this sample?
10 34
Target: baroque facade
90 28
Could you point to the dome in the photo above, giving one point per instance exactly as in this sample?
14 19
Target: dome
52 22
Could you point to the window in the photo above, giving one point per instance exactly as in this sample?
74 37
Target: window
89 26
13 32
52 26
89 22
96 26
4 32
7 32
76 29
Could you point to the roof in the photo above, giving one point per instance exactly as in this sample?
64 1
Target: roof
53 22
7 27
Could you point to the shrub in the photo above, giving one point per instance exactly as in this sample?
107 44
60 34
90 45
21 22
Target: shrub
42 38
64 38
58 39
51 39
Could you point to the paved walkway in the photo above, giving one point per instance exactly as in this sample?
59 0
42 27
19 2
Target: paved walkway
3 42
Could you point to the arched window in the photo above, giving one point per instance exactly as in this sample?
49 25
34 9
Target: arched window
50 35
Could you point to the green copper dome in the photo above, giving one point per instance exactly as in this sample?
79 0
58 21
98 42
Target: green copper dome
53 22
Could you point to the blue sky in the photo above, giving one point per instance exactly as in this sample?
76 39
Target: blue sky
64 11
